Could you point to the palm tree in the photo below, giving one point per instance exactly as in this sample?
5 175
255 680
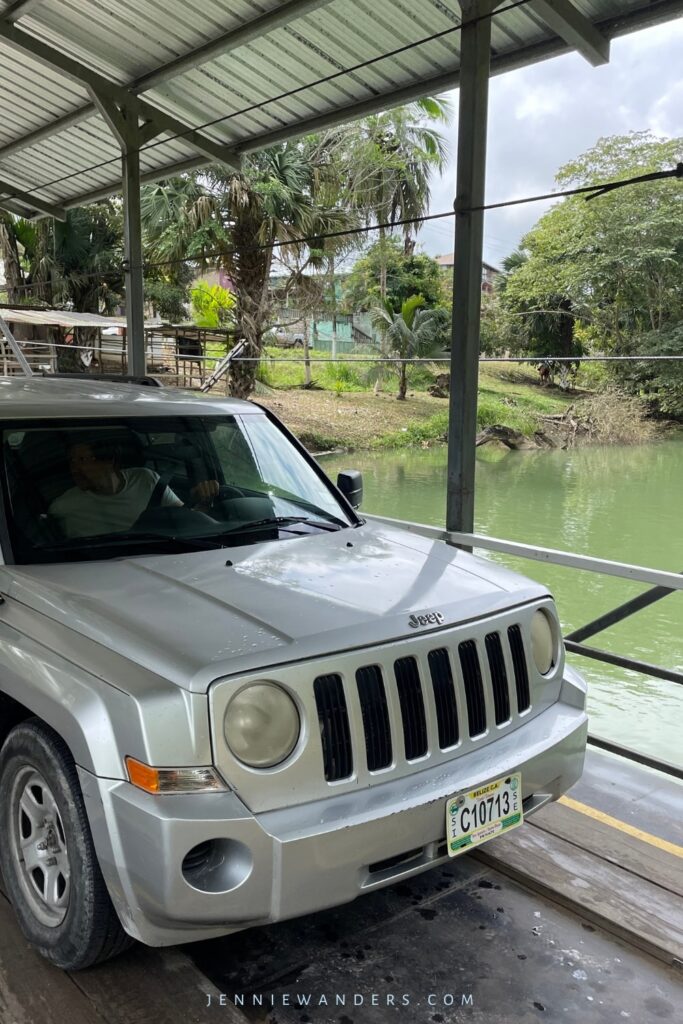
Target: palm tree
394 155
241 217
10 256
411 333
305 188
77 261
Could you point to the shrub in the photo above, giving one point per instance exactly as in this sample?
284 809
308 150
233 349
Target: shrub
659 383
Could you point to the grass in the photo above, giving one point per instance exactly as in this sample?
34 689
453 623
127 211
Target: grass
289 372
344 412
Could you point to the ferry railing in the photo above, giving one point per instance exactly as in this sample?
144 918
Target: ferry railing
662 584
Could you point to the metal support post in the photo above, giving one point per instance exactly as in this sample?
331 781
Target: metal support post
124 122
134 279
475 58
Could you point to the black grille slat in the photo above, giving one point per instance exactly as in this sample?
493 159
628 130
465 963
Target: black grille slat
474 687
335 732
373 704
499 678
519 665
412 707
444 697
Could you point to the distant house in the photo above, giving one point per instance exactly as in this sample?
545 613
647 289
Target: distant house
488 273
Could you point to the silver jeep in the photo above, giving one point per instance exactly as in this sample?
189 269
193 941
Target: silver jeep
226 699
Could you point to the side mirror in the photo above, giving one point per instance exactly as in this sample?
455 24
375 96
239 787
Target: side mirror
350 483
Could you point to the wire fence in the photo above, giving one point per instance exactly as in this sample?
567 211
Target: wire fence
197 368
362 358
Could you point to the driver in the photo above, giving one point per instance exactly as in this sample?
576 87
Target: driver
108 499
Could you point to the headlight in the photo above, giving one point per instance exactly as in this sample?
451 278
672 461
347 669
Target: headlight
261 725
542 642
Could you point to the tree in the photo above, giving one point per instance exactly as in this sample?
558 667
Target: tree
391 159
9 253
241 217
410 333
168 300
615 262
306 188
609 271
74 263
405 275
660 383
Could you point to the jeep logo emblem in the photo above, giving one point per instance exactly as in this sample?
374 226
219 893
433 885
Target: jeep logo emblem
430 619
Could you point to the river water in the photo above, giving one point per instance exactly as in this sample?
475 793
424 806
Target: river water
624 504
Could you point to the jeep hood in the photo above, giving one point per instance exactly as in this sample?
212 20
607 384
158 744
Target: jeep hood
192 619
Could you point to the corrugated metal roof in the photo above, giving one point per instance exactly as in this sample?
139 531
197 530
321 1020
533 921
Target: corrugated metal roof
232 63
61 318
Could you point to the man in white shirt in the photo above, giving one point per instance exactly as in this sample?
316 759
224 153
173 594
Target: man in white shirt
107 499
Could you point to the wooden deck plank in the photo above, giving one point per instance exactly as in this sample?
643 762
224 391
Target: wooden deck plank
154 986
621 903
31 990
609 844
144 986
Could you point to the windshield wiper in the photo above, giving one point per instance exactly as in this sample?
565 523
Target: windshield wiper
329 517
321 524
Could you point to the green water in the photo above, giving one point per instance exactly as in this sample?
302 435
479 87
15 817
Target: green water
624 504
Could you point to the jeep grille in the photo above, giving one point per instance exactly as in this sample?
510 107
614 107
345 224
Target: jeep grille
370 681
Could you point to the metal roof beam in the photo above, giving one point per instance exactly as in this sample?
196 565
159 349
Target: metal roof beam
287 12
169 171
32 201
574 27
20 9
46 131
225 43
14 207
58 61
425 87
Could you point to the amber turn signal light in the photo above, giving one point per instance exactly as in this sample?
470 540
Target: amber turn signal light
173 780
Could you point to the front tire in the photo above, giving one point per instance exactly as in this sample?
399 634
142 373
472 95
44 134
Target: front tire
47 854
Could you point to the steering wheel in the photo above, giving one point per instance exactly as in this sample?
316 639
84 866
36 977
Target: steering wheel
229 491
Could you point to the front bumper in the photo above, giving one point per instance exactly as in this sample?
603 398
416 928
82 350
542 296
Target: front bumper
291 862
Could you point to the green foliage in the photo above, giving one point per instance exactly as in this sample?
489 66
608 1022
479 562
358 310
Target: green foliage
390 158
321 184
492 409
659 383
411 333
168 300
288 371
613 265
414 274
416 432
212 305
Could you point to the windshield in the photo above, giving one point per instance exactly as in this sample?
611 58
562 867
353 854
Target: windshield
84 489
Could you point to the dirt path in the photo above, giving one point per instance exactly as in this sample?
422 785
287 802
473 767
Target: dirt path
324 420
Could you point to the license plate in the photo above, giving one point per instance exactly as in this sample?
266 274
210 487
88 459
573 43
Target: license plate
475 817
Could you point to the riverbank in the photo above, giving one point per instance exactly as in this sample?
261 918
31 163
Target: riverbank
532 415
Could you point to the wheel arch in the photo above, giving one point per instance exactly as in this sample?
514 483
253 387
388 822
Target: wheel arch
12 712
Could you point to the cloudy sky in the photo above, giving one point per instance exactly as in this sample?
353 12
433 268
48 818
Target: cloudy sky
543 116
